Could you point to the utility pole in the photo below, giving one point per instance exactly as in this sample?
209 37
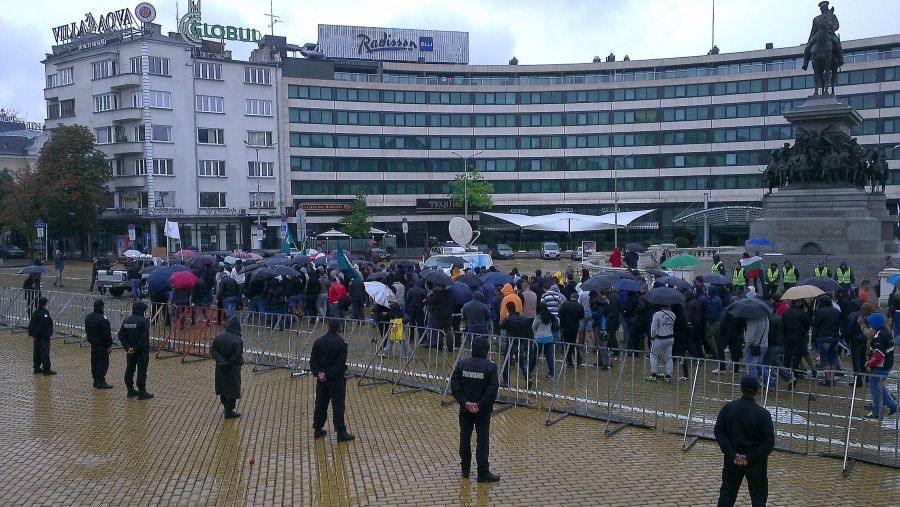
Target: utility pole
616 193
466 180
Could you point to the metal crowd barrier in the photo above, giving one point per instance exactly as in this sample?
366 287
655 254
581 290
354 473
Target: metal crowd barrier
271 339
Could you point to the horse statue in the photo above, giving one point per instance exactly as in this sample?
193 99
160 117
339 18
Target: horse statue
825 68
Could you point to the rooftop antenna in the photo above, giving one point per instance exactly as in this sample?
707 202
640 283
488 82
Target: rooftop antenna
713 24
272 18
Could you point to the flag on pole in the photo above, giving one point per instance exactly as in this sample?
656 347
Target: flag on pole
286 244
344 263
171 230
752 266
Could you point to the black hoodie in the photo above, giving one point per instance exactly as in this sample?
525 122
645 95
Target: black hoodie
474 380
96 327
135 330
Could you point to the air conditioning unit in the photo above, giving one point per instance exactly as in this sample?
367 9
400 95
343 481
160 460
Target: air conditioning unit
242 211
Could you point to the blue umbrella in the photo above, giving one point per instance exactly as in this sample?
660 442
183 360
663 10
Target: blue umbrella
625 285
462 294
759 242
496 278
893 280
158 281
31 269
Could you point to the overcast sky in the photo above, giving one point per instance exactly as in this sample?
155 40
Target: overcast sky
554 31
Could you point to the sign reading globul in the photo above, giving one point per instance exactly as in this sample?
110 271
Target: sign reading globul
193 30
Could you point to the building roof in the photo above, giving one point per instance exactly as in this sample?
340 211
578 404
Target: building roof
15 138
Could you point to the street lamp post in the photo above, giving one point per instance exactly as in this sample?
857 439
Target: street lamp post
616 194
466 180
258 176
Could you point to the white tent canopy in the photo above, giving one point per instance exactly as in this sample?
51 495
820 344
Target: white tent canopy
333 234
373 230
570 222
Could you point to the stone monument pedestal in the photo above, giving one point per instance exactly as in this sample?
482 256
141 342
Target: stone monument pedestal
826 219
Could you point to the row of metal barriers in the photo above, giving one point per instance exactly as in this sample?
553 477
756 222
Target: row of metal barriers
611 385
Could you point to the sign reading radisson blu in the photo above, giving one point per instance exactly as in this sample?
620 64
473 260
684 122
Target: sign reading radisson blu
393 44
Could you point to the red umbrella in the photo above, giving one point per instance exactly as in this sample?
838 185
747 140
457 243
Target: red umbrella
189 254
183 280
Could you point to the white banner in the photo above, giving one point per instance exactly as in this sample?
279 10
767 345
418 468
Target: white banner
171 230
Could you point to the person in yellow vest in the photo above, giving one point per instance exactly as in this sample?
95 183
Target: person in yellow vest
718 265
772 279
822 270
738 280
843 275
789 275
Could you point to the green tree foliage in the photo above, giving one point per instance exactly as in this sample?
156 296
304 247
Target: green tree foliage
357 223
479 192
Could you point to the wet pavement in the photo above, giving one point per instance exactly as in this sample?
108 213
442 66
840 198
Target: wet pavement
67 443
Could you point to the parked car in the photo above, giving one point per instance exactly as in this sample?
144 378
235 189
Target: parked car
549 250
116 280
578 254
482 248
503 251
11 252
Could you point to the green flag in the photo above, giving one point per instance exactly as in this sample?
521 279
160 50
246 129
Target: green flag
286 244
344 263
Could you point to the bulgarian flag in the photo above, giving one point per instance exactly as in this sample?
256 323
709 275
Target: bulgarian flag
344 263
752 266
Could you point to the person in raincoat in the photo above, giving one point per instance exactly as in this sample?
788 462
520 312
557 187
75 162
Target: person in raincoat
228 351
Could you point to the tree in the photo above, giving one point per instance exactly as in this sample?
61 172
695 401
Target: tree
357 223
478 191
68 188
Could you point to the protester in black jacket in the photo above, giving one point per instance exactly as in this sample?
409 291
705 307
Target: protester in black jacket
328 363
855 337
571 313
99 335
474 385
40 328
826 326
134 335
228 351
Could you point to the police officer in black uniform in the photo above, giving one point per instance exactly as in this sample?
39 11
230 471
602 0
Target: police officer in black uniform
746 436
328 362
40 327
135 339
474 384
99 335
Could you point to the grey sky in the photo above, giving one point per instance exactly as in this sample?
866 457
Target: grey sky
560 31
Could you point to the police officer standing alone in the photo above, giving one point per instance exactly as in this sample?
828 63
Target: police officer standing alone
99 335
746 437
40 327
474 385
328 362
134 336
228 352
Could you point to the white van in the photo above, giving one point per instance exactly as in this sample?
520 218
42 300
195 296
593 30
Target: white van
549 250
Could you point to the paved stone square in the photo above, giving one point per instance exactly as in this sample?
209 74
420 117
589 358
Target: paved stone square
68 444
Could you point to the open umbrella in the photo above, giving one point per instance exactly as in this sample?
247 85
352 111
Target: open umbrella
826 284
664 296
404 263
674 281
462 293
183 280
149 269
271 262
681 261
626 285
657 272
496 278
230 259
158 280
131 254
378 276
285 271
759 242
206 260
254 257
802 292
750 309
635 247
470 279
438 277
893 280
249 267
264 274
380 293
27 270
599 282
716 279
187 254
299 260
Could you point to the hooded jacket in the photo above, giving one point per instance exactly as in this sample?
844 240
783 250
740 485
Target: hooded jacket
477 314
509 296
474 380
96 327
135 330
228 351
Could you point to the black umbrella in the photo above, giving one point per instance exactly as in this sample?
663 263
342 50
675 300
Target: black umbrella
635 247
379 276
249 267
149 269
496 278
27 270
625 285
716 279
674 281
599 282
404 263
438 277
664 296
277 261
285 271
206 260
471 280
299 260
826 284
264 274
657 272
750 309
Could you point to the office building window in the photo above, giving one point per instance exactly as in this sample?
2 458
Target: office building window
161 133
256 75
259 138
257 107
117 166
208 70
212 200
211 168
210 136
262 199
158 66
106 102
163 167
261 169
105 68
210 104
158 99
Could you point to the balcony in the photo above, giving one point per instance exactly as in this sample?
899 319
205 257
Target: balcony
122 148
120 81
120 115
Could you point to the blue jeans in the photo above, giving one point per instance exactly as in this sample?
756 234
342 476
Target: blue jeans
135 289
828 351
772 358
880 394
754 363
257 304
228 303
896 322
541 348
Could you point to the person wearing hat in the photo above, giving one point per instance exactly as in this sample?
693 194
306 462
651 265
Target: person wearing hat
134 335
99 335
746 436
328 363
880 362
772 277
718 266
474 384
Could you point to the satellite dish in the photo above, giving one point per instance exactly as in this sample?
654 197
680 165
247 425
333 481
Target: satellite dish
460 231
